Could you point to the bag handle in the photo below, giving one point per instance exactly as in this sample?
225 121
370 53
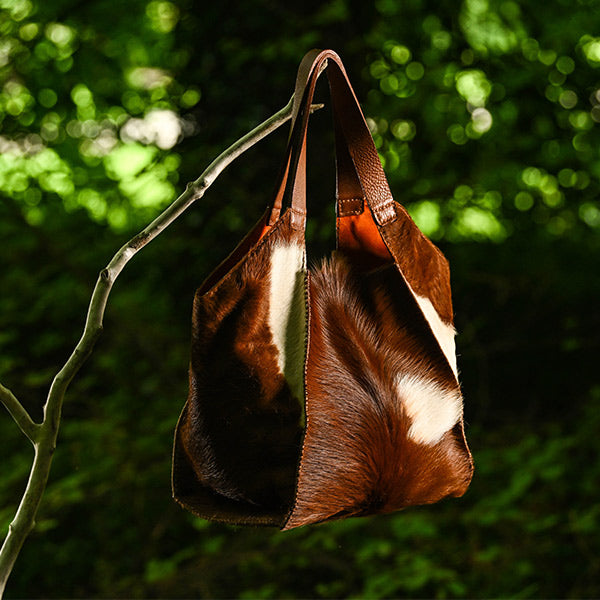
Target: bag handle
359 168
348 186
302 79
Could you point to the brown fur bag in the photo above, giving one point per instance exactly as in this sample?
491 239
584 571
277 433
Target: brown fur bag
328 392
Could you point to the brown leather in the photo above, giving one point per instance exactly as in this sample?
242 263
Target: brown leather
358 236
343 399
358 457
302 76
364 169
359 169
238 438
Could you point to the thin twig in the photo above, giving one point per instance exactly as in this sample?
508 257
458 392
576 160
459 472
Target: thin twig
44 436
19 414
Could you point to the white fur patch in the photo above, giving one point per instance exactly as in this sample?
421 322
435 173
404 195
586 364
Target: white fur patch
443 332
287 313
432 409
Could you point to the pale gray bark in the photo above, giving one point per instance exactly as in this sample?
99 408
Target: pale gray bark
44 435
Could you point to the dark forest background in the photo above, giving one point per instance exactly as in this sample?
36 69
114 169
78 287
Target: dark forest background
487 116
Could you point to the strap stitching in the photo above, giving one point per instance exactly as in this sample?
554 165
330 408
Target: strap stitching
385 212
357 211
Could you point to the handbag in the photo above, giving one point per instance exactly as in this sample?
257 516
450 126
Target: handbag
331 391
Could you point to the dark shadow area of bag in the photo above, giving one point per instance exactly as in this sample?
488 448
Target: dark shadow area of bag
238 438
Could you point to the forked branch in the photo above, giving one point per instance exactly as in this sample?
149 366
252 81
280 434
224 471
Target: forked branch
44 435
19 414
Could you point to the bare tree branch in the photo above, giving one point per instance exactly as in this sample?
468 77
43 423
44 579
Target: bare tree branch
44 435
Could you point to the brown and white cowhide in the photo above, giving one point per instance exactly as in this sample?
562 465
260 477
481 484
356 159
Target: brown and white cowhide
384 409
238 439
322 394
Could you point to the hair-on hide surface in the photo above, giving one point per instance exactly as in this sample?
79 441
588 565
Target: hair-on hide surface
238 439
360 454
329 393
383 406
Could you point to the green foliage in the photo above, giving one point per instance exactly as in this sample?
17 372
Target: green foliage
485 113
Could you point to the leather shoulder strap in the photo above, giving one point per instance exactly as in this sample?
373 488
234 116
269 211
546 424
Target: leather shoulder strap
352 130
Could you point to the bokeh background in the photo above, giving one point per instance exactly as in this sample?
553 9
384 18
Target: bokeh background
487 116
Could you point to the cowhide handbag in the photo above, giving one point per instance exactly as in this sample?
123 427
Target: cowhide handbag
331 391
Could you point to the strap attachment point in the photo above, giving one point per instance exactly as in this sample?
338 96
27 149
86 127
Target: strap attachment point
297 219
385 213
350 206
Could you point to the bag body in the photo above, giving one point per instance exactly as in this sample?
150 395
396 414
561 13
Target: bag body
332 391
